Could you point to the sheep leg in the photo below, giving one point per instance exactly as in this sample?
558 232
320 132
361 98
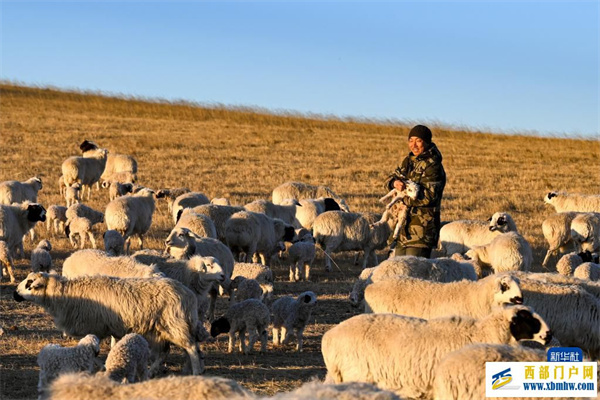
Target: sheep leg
307 272
285 335
161 352
292 274
211 306
356 255
299 334
127 244
263 340
82 240
327 251
231 342
366 258
141 241
9 268
72 239
549 254
299 269
196 358
91 235
275 336
243 347
253 335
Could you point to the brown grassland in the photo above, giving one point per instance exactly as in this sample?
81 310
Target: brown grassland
242 154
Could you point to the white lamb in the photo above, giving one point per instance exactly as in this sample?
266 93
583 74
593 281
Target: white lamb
507 252
301 256
585 231
6 261
96 262
569 262
290 317
250 315
310 209
300 190
81 210
127 361
401 353
200 224
82 227
394 197
246 289
18 192
72 194
41 260
589 271
188 200
120 164
258 272
56 217
114 244
55 360
563 202
557 232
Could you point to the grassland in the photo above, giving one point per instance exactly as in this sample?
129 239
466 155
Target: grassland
242 154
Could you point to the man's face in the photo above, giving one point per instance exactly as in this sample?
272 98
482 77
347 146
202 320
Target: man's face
416 145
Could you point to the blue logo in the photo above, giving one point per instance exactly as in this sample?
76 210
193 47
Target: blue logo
501 378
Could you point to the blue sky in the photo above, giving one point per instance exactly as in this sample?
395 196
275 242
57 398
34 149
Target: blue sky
506 66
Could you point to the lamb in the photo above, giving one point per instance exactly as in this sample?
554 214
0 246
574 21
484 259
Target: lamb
411 190
6 261
585 231
188 200
171 195
80 226
117 189
291 315
18 192
85 170
96 262
56 217
301 257
81 386
563 202
569 262
316 390
218 215
55 360
249 315
109 306
41 260
285 211
460 236
72 194
589 271
16 221
200 224
424 299
131 215
557 232
113 243
310 209
401 353
127 361
61 185
507 252
81 210
300 190
246 289
258 272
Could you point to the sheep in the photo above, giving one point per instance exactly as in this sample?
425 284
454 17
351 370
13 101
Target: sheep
250 315
316 390
220 201
310 209
118 163
401 353
16 221
218 215
460 236
585 231
117 189
563 202
81 386
85 170
589 271
301 257
188 200
424 299
411 190
557 232
507 252
127 361
131 215
291 315
171 195
80 226
300 190
109 306
55 360
567 263
72 194
6 261
552 278
124 177
96 262
258 272
41 260
246 289
252 233
56 217
18 192
285 211
81 210
61 185
460 375
113 243
200 224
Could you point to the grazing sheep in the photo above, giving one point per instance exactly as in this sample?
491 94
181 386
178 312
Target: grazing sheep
200 224
114 243
249 315
18 192
424 299
507 252
401 353
460 236
220 201
117 189
85 170
218 215
127 361
567 263
301 257
246 289
291 315
131 215
171 195
96 262
589 271
55 360
81 386
72 194
300 190
61 186
285 211
109 306
188 200
557 232
563 202
80 226
81 210
16 221
6 261
310 209
56 217
585 231
41 260
316 390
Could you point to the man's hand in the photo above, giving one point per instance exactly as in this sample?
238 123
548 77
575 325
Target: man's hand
399 185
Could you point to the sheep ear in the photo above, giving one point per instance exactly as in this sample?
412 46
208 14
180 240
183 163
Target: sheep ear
489 219
331 204
218 326
551 195
524 325
179 214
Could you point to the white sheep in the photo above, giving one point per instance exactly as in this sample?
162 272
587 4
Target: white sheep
301 255
114 244
131 215
117 189
200 224
55 360
96 262
220 201
557 232
80 226
18 192
85 170
109 306
258 272
218 215
41 260
563 202
170 195
188 200
81 386
56 217
585 231
393 199
72 194
424 299
310 209
246 289
6 261
119 163
290 317
16 221
552 278
250 315
127 361
401 353
507 252
81 210
460 236
300 190
570 261
589 271
285 211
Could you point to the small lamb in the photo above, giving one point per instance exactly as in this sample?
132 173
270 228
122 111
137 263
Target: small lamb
117 189
411 190
81 226
246 289
41 260
292 314
301 257
114 244
569 262
127 361
56 216
72 194
6 261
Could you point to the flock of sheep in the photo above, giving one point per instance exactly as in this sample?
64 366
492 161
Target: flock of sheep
477 302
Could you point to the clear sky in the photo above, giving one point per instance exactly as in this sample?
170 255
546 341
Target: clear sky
507 66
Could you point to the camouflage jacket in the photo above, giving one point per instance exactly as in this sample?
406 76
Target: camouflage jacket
422 226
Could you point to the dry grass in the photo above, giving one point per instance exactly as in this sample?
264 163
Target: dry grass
243 154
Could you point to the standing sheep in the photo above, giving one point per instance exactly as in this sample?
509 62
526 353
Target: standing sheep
16 221
563 202
286 211
171 195
56 217
41 260
200 224
310 209
117 189
188 200
80 226
507 252
96 262
585 231
557 232
72 194
301 256
246 289
6 261
114 243
85 170
262 274
61 186
18 192
218 215
300 190
401 353
81 210
291 315
127 361
120 164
